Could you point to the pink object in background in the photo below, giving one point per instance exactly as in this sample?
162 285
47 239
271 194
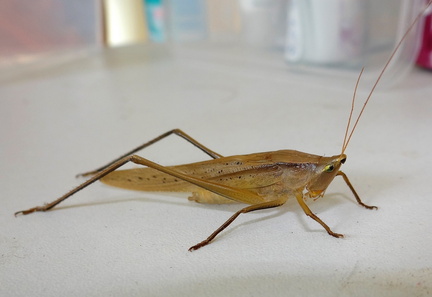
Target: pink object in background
424 58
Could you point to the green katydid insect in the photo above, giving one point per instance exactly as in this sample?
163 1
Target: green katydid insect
261 180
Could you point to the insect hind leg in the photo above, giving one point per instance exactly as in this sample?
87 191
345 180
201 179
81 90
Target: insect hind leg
98 175
207 197
240 195
177 132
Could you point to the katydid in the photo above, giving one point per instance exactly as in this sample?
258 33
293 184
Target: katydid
261 180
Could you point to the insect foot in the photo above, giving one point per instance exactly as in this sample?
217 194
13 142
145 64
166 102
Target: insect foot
337 235
31 210
199 245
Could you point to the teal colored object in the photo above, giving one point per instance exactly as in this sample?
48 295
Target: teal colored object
155 20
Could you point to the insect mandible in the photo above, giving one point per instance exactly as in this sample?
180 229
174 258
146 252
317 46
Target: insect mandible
262 180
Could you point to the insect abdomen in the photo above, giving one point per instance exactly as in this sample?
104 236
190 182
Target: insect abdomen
146 179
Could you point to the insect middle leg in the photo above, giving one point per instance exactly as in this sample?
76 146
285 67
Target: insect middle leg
240 195
264 205
177 132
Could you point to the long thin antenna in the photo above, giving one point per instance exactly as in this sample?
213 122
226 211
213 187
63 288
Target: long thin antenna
420 15
352 110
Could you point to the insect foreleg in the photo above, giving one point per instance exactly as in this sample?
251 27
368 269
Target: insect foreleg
357 197
309 213
177 132
264 205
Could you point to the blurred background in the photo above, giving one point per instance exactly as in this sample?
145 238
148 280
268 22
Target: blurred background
82 81
336 34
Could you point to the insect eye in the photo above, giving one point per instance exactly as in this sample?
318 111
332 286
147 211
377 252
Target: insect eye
343 160
329 168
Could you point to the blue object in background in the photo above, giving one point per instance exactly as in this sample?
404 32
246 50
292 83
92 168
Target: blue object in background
155 20
187 20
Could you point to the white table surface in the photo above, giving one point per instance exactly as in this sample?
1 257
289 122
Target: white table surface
60 119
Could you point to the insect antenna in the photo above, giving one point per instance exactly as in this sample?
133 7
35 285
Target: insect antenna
351 111
398 45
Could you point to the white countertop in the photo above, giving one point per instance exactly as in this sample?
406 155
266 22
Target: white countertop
58 120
